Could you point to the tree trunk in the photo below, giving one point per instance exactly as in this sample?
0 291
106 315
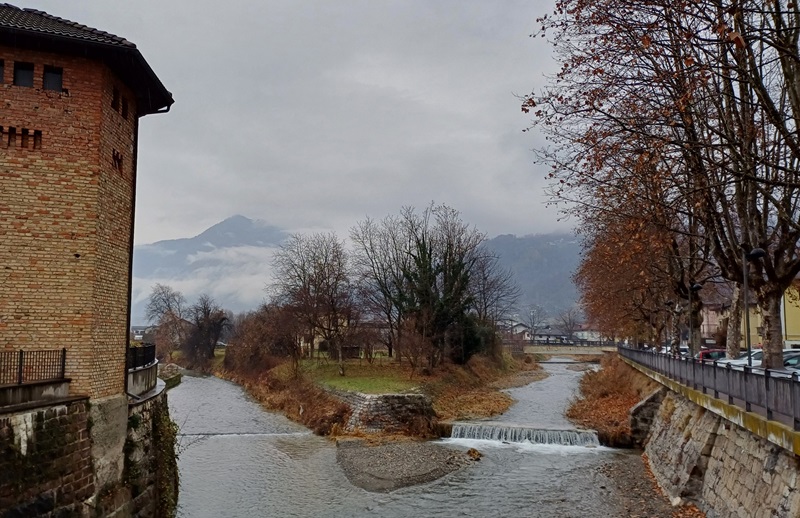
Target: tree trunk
773 337
341 358
733 346
697 325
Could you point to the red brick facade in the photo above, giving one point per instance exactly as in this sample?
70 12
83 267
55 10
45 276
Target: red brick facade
67 182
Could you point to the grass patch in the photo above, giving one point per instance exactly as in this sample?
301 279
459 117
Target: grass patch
384 378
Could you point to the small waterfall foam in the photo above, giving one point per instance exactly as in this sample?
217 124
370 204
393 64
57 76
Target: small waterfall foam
518 433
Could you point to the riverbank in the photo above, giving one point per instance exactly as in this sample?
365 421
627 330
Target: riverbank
606 398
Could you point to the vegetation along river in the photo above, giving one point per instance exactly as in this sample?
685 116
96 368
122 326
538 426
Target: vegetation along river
238 460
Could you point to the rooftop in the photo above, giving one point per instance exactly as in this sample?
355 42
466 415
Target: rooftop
39 21
34 29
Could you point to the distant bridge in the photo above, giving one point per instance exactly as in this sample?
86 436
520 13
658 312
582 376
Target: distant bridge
569 349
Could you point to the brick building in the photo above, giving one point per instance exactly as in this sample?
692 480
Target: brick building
70 102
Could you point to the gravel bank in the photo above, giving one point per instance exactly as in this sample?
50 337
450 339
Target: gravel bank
390 466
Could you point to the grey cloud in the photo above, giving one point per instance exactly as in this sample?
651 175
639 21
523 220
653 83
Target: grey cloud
315 114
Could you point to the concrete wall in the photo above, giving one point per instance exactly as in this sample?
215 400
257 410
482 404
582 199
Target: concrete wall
726 470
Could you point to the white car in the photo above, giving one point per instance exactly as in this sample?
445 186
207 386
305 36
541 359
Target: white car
757 356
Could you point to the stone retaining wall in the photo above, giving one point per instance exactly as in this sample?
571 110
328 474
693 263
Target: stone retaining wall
45 460
50 465
726 470
373 413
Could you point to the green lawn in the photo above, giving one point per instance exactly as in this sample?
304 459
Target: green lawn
361 377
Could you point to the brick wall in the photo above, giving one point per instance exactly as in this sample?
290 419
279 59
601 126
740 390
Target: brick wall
46 458
65 217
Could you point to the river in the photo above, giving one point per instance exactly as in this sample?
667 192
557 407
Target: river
237 460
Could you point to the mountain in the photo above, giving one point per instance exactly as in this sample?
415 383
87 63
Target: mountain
543 266
230 261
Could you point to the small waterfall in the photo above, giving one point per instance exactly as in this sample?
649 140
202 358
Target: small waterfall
517 433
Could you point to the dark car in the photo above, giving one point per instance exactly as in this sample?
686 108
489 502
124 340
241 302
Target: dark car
710 355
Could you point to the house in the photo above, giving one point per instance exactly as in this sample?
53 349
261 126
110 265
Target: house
587 333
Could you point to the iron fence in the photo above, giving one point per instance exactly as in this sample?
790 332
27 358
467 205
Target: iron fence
18 367
774 394
141 356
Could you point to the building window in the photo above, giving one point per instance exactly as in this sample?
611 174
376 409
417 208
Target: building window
115 99
124 108
53 78
2 69
23 74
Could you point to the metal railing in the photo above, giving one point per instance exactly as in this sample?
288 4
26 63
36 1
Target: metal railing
18 367
141 356
774 394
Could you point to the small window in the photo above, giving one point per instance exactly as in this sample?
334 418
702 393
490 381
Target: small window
37 139
53 78
23 74
2 69
115 99
125 108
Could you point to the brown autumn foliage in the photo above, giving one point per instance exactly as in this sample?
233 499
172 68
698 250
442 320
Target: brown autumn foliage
607 396
470 391
691 108
298 399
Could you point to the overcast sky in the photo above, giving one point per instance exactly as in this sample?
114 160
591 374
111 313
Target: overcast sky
313 115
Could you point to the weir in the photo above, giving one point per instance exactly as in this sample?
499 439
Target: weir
505 432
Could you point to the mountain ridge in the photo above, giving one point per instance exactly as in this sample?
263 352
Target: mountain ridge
231 261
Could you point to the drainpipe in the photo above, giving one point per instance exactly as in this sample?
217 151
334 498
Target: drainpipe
134 176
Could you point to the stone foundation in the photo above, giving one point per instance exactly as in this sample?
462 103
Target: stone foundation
75 459
727 471
45 460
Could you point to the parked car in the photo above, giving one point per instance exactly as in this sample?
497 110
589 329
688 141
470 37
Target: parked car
757 356
709 355
683 350
792 361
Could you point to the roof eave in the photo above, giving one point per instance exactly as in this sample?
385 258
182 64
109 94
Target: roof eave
152 95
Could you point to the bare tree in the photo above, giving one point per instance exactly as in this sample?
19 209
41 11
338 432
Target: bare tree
379 259
209 321
535 318
312 277
494 289
167 308
568 321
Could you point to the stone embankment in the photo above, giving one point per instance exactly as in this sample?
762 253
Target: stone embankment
389 413
698 456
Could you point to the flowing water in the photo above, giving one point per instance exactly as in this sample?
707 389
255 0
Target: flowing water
238 460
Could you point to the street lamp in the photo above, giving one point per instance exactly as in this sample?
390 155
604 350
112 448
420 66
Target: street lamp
670 323
694 288
755 253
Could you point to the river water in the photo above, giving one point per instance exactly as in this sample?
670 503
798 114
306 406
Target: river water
237 460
